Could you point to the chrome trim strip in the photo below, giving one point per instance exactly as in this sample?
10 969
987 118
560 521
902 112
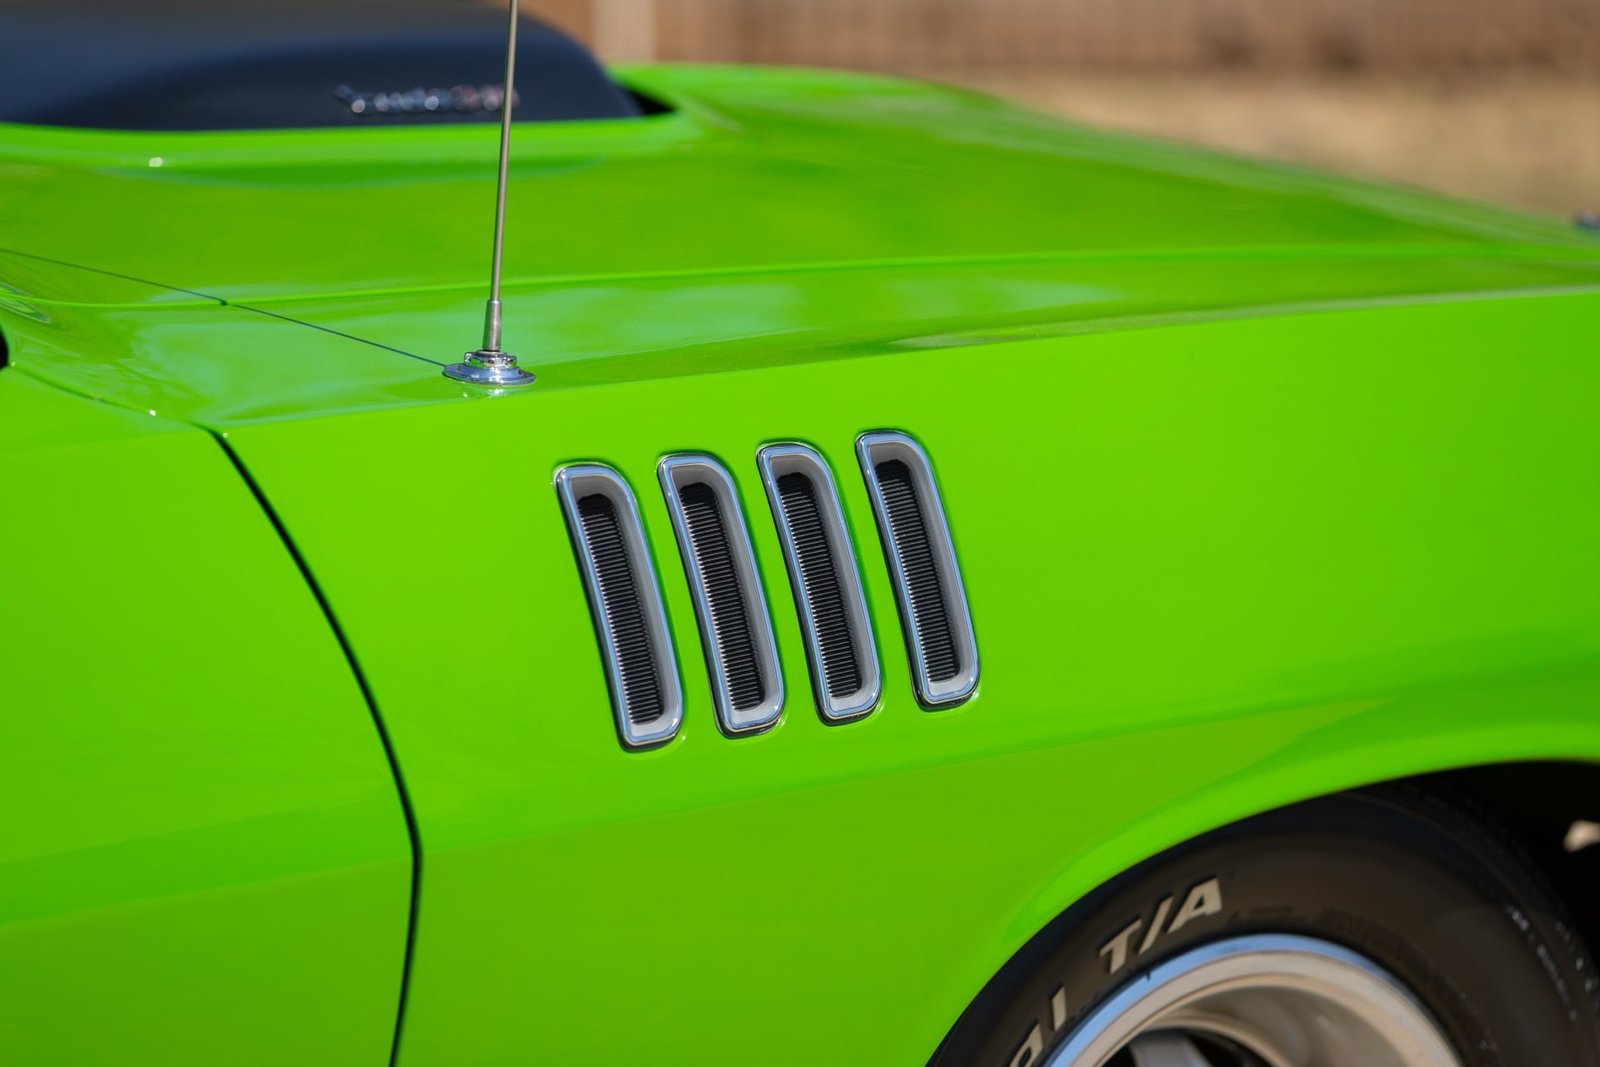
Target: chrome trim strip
776 461
879 447
572 484
679 471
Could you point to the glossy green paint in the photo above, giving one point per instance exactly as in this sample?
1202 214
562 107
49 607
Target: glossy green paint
204 860
1264 484
1213 568
773 217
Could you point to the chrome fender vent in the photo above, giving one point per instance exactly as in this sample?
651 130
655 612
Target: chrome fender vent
625 601
922 564
735 626
840 647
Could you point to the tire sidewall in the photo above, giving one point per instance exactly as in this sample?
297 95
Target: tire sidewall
1400 879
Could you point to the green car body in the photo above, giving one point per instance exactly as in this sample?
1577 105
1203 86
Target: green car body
1263 484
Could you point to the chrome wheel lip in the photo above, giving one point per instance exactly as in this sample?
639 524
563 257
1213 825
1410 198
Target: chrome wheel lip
1314 1002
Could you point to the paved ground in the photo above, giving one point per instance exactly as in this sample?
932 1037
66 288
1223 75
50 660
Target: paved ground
1525 138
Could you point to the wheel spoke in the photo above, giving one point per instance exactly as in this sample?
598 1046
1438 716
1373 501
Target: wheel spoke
1168 1049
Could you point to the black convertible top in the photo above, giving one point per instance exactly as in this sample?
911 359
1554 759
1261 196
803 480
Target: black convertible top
243 64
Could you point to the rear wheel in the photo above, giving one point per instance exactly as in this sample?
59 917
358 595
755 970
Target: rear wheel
1386 928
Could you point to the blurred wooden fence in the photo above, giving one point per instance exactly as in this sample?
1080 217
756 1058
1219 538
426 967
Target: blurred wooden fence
914 35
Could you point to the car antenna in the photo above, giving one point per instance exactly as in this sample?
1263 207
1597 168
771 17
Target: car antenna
490 364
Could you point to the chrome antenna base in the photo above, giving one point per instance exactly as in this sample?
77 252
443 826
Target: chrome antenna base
490 365
484 367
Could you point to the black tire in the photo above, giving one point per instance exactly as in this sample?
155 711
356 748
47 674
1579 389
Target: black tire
1409 880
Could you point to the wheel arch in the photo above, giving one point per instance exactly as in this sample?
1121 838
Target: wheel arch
1549 807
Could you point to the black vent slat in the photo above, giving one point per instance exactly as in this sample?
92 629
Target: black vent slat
841 651
730 601
730 621
624 599
830 619
621 609
930 614
934 616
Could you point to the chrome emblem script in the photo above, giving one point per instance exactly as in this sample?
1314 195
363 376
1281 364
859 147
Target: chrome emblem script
460 99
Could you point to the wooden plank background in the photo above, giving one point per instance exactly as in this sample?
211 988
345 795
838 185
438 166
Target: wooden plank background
1489 99
917 35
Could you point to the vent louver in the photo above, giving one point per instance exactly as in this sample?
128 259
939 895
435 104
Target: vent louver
840 648
625 602
735 627
922 563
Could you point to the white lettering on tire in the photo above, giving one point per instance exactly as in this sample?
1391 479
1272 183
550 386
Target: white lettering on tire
1031 1049
1203 899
